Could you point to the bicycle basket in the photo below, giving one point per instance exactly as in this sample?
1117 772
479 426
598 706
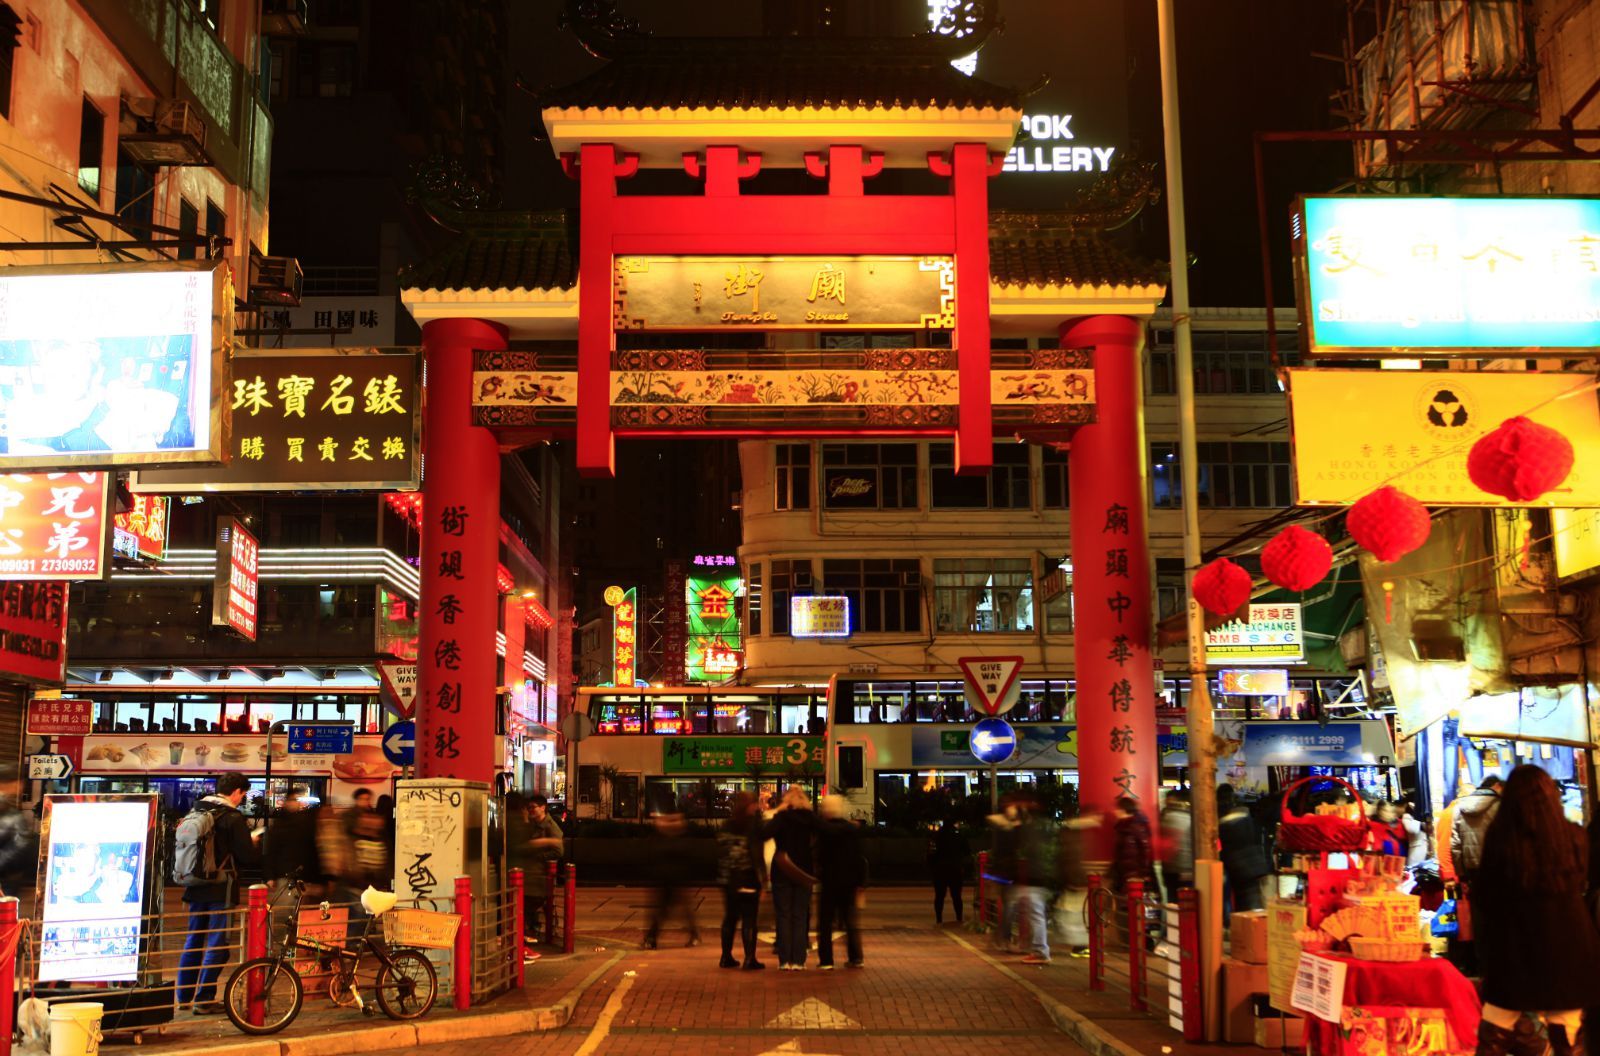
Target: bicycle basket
421 928
1313 833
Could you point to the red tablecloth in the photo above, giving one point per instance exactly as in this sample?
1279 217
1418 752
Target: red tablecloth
1431 982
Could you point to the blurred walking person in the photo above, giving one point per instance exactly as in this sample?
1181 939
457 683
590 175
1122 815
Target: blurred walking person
1002 865
948 858
1537 942
1244 857
1073 874
739 873
671 867
1132 857
844 880
1034 879
791 829
1177 841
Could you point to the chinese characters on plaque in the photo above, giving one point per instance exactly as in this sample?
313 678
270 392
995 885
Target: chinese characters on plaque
53 525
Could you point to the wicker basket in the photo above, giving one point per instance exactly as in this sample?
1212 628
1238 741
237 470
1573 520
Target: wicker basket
1387 949
1315 833
421 928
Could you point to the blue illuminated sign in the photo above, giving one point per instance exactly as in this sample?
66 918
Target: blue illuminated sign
322 740
1388 271
1305 744
993 741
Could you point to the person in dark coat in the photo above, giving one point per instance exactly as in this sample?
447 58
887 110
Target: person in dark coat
948 855
1132 852
739 876
210 903
793 875
844 875
1244 857
1537 943
673 871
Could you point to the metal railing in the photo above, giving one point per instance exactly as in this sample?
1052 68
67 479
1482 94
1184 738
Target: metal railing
1140 945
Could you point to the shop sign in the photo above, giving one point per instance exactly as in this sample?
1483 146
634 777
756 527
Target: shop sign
113 365
315 419
369 322
740 755
33 631
715 643
166 752
715 561
1271 635
53 525
1254 682
784 293
238 583
142 531
55 716
1051 146
1448 274
98 862
1354 430
396 626
1576 540
819 616
1280 743
624 633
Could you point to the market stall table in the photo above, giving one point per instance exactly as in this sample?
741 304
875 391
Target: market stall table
1430 982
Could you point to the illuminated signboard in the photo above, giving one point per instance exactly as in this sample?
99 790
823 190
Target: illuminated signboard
97 865
53 525
33 630
1449 274
624 634
712 593
238 581
142 531
325 418
819 616
1354 430
1271 635
1257 682
1575 535
112 365
779 293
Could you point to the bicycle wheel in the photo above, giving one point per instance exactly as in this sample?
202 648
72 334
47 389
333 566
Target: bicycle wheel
406 985
278 992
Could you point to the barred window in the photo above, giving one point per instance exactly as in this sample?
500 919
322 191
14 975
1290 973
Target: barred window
869 476
885 594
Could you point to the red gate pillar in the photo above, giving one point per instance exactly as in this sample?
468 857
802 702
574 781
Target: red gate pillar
460 542
970 171
1112 633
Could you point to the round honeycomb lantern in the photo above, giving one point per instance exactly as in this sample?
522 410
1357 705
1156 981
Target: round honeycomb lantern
1296 559
1388 523
1520 460
1221 587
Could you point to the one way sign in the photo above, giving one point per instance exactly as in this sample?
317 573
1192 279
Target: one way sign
992 686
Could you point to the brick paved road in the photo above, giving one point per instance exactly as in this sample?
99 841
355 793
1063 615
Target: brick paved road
920 995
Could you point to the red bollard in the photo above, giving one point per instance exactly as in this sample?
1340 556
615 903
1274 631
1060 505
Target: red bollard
10 938
1194 1012
518 949
1097 937
569 905
983 900
1136 953
463 970
549 903
257 927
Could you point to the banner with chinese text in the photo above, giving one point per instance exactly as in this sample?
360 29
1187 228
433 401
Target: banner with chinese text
142 531
33 631
53 525
314 419
740 755
712 595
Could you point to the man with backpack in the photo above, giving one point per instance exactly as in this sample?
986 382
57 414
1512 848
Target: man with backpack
213 843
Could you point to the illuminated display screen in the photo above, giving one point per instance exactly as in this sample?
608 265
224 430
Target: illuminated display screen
819 616
95 870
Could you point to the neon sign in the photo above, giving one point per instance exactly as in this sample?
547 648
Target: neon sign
715 642
624 633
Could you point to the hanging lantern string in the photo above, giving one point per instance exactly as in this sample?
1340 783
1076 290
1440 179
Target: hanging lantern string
1577 390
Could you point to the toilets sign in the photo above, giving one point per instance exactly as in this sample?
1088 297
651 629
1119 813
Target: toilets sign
1049 145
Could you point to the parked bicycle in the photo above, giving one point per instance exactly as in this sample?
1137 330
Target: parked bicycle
265 994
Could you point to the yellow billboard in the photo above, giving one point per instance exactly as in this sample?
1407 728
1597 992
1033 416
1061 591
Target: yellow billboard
1355 430
1575 536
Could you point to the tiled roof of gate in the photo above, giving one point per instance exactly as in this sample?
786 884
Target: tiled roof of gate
1067 259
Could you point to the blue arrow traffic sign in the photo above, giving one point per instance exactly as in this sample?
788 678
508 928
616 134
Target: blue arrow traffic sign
400 744
993 741
322 740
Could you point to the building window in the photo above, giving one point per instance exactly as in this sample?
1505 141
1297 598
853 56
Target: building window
10 38
1171 588
91 148
983 594
188 225
1053 467
135 196
216 224
1231 475
885 594
869 476
325 70
789 578
1226 362
1004 487
752 598
1055 589
792 472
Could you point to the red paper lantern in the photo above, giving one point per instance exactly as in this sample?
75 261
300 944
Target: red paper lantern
1296 559
1221 587
1388 523
1521 460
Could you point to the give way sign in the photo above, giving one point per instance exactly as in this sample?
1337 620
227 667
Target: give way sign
401 682
992 685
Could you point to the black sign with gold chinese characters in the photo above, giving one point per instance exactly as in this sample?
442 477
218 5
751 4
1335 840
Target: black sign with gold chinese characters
313 419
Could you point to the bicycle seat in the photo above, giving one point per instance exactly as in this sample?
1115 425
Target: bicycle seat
378 902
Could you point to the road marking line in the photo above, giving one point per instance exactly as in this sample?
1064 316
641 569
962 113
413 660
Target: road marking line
602 1026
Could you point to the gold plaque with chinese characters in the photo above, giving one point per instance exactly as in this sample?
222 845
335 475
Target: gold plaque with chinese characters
784 293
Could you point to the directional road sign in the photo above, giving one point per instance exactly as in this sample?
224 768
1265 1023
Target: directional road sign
400 744
992 685
993 741
49 768
322 740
